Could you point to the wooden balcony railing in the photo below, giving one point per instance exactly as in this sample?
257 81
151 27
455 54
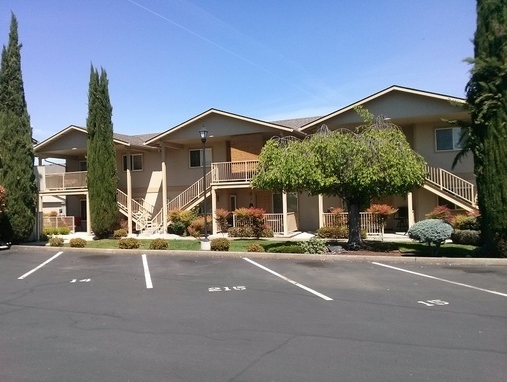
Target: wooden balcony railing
242 171
65 181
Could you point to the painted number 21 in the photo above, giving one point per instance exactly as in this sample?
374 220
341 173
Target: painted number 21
433 302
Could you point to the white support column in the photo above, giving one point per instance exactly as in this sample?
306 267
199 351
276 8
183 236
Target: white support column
284 211
88 215
321 211
164 189
214 227
129 195
410 205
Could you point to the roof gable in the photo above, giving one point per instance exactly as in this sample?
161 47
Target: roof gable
222 123
393 102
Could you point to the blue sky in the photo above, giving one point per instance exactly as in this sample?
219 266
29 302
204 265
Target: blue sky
169 60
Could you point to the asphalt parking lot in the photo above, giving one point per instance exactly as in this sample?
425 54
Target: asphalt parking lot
82 315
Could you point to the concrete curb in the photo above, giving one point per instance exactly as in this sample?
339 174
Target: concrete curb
349 257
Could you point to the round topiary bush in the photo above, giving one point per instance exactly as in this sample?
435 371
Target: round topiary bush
159 244
254 247
77 242
220 244
56 242
431 231
129 243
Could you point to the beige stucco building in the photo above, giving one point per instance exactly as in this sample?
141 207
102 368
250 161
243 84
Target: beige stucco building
160 172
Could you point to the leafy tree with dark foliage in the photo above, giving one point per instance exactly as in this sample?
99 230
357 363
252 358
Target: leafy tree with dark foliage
487 139
101 161
17 155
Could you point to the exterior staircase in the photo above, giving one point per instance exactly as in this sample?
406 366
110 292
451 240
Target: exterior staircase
141 212
451 187
188 199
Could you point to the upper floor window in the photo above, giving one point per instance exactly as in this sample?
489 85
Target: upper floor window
136 162
448 138
195 157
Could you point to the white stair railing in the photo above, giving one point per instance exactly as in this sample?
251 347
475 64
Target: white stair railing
452 184
140 214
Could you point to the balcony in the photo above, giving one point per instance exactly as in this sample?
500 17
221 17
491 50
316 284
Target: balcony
64 181
233 172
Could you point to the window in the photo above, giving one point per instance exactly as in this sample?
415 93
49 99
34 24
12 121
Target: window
195 158
136 162
448 139
292 202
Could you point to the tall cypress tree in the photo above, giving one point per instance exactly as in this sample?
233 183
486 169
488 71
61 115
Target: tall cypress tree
487 99
16 164
101 159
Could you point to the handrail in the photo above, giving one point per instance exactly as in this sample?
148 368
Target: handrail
189 195
451 183
139 213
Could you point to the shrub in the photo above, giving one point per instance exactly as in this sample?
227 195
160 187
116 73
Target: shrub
221 216
267 232
245 231
77 242
466 222
177 228
442 213
333 232
180 221
49 231
119 233
252 217
220 244
254 247
431 231
314 245
129 243
63 230
288 248
197 227
159 244
56 241
466 237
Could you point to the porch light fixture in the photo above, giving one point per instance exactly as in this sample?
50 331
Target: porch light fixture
205 243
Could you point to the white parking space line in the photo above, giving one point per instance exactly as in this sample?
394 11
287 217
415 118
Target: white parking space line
444 280
40 266
289 280
147 277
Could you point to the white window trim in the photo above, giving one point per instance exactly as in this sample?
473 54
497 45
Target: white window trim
455 141
123 161
209 157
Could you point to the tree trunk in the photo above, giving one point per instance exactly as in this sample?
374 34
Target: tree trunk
355 242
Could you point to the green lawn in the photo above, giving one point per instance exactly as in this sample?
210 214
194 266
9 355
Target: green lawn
240 245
